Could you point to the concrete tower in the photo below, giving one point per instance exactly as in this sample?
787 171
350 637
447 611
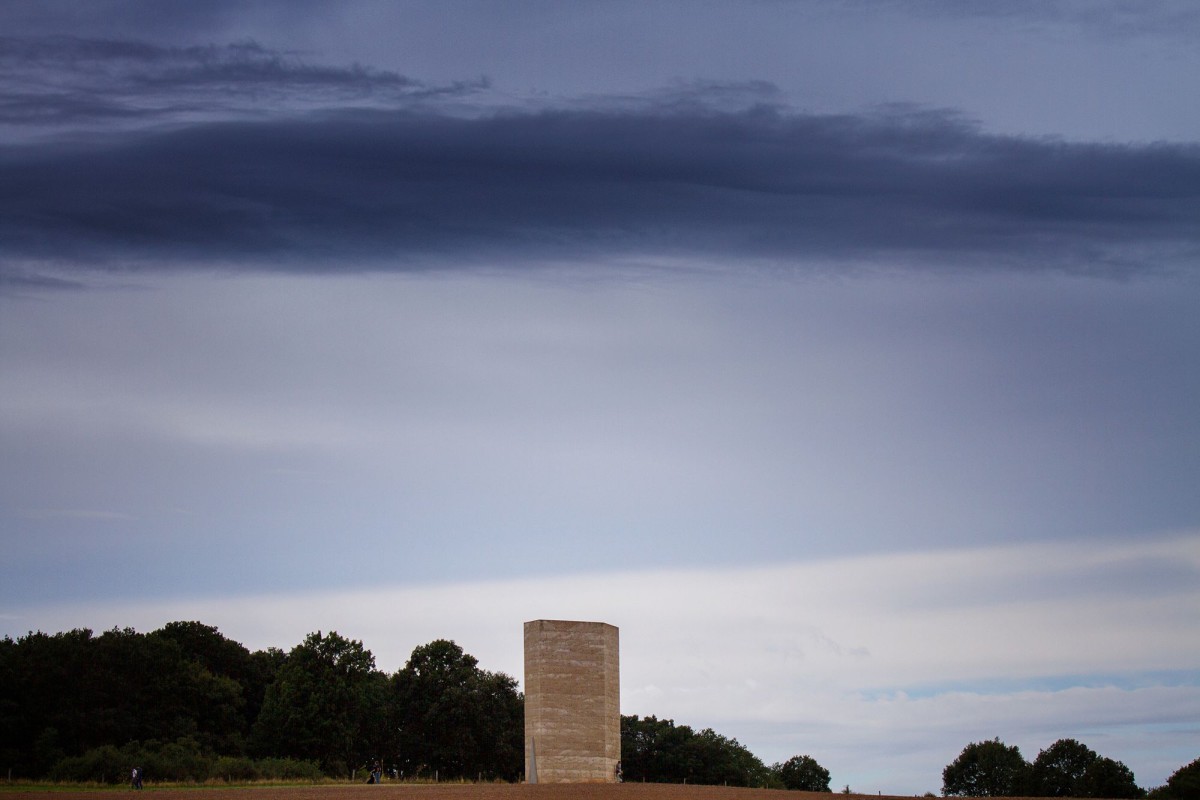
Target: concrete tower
572 702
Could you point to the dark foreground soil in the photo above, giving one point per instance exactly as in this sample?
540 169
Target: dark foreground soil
443 791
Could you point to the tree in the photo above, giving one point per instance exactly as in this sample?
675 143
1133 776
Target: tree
454 718
1185 782
659 751
713 759
1059 769
12 746
986 769
648 748
803 773
220 660
326 704
72 692
206 645
262 671
194 686
1069 768
1105 777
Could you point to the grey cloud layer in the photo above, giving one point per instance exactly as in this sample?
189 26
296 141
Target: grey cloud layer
56 83
256 157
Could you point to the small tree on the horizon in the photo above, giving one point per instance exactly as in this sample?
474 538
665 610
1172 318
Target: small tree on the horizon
1069 768
1106 777
1059 768
1184 784
987 769
803 773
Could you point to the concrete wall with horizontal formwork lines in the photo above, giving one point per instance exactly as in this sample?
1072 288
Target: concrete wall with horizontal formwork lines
572 702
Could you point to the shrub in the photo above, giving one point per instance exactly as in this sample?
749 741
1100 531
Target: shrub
235 768
288 769
105 764
181 760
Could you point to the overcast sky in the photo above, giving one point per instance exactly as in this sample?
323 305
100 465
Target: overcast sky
843 355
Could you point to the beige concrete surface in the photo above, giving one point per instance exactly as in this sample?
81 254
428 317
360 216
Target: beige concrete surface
572 702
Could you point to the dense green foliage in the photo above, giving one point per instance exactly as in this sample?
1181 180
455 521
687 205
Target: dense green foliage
454 719
182 760
1069 768
1184 784
987 769
69 693
1059 769
1066 768
659 751
325 705
803 773
186 703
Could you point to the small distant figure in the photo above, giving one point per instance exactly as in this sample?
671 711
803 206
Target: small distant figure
620 776
136 778
376 773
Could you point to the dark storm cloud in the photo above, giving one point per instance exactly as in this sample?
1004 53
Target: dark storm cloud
129 154
307 191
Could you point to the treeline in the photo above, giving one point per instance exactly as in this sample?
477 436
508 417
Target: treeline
186 703
1067 768
659 751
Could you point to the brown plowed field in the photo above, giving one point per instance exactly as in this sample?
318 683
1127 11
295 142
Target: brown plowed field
447 791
